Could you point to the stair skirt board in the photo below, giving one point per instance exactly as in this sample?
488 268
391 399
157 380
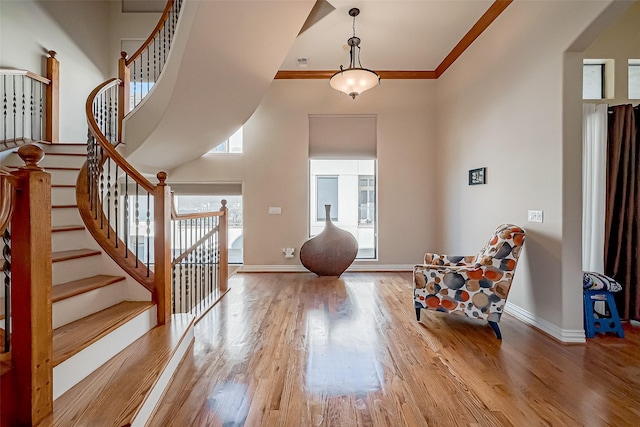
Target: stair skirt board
79 366
157 391
82 305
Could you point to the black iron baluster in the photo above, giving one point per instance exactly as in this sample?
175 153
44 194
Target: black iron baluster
141 78
148 231
24 105
155 76
41 121
137 213
148 72
126 215
31 120
109 198
15 114
115 205
6 254
101 197
4 109
89 168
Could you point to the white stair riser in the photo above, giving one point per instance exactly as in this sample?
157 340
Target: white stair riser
157 391
65 148
75 308
76 269
63 161
63 195
65 216
76 368
64 176
69 240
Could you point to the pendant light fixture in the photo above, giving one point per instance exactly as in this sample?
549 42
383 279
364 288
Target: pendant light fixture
354 80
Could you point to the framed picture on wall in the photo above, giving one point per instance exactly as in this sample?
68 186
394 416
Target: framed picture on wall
477 176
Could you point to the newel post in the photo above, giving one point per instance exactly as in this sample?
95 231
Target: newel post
31 340
162 248
123 91
223 241
52 118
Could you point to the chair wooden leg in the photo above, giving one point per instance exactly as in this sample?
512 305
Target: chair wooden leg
418 314
496 329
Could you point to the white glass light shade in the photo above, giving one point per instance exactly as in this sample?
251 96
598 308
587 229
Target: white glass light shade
354 81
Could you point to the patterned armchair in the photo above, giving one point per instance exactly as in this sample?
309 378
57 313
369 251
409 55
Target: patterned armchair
474 286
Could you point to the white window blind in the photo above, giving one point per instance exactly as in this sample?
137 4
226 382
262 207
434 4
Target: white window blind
342 137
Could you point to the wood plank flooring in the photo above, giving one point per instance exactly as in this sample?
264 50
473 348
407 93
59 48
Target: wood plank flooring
297 350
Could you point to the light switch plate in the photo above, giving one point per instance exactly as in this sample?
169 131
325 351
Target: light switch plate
534 216
275 210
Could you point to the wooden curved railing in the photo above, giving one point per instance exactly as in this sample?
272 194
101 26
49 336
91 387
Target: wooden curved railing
139 72
99 183
30 105
131 217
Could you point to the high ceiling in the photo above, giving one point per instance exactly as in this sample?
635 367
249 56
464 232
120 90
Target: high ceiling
395 34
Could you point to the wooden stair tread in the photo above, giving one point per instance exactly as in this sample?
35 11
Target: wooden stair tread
77 287
59 228
114 393
76 336
73 254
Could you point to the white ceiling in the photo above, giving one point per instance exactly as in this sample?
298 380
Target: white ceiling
395 34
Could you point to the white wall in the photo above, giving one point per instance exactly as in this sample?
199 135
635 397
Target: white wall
512 103
274 167
77 31
129 26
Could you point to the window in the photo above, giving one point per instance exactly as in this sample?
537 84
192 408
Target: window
634 79
326 194
367 199
349 186
206 203
593 81
233 144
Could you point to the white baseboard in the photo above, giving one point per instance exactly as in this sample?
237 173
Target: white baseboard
563 335
301 269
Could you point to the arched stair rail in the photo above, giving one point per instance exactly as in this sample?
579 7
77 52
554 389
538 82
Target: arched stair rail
139 72
129 216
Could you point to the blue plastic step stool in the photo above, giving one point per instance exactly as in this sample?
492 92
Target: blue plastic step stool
595 322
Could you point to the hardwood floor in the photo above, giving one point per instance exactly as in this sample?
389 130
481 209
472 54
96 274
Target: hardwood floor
297 350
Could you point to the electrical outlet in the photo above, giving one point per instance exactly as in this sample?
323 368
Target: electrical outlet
275 210
534 216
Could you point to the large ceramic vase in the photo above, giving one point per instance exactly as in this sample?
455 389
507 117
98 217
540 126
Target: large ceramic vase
331 252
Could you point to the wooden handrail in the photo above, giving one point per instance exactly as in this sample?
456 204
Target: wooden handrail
154 33
45 124
30 74
106 145
196 215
